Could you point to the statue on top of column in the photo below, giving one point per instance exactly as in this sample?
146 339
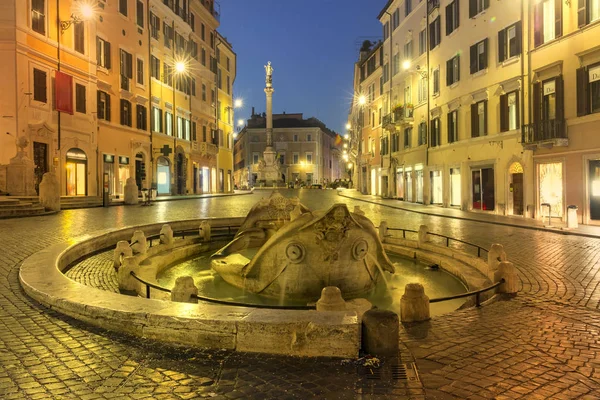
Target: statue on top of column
269 72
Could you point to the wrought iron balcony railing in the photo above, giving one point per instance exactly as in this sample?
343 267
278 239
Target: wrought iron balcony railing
543 131
432 5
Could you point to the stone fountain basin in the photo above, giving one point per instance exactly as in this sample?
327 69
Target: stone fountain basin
247 329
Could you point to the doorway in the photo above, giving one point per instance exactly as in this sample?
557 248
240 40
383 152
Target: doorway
163 175
140 170
483 189
594 188
180 172
419 183
436 187
399 184
455 187
40 159
76 172
373 181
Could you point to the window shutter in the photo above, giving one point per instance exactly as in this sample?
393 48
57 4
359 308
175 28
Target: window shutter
485 53
501 45
449 72
503 113
560 103
485 118
107 96
473 59
457 67
472 8
538 25
537 102
582 92
129 65
438 31
122 119
519 36
107 58
474 124
486 4
517 102
99 110
129 116
558 8
448 19
98 52
582 18
457 12
449 127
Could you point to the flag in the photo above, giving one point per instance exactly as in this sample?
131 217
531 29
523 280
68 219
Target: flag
63 89
338 140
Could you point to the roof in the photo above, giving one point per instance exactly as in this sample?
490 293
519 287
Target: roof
387 5
291 123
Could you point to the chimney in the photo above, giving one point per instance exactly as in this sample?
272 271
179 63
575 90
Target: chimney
253 111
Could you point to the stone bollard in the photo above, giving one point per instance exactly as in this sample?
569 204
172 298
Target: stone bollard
358 211
50 192
184 290
126 281
495 256
383 229
507 270
331 300
380 332
414 304
166 235
131 191
205 231
122 250
423 236
138 242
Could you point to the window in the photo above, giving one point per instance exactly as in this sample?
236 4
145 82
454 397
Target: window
408 50
228 87
395 19
126 69
396 64
140 71
282 159
436 132
102 53
588 90
407 7
154 25
80 98
509 111
509 42
422 90
422 41
407 136
479 56
436 81
453 126
79 37
38 16
547 16
168 123
125 112
194 49
168 34
453 70
202 32
422 133
193 25
123 7
203 92
452 17
40 90
140 117
167 74
295 158
587 11
156 119
203 57
139 11
103 105
255 158
193 88
212 40
227 63
477 6
194 128
155 67
479 119
295 138
435 35
309 159
386 30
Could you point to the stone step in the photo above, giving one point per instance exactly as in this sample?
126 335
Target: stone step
15 212
17 205
71 202
8 201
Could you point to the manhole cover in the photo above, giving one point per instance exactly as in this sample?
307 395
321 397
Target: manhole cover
392 377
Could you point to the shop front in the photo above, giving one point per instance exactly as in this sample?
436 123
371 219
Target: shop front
482 188
76 172
550 189
436 187
419 183
163 176
455 187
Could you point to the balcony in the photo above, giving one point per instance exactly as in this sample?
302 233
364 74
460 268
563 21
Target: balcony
545 134
208 149
400 115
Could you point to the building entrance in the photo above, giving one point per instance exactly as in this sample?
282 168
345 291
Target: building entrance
483 189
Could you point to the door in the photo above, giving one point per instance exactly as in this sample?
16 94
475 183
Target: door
419 182
40 159
483 189
76 169
455 187
195 179
517 193
163 176
400 184
594 187
140 171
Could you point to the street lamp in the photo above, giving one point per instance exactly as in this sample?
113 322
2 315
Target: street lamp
238 103
85 12
362 100
348 126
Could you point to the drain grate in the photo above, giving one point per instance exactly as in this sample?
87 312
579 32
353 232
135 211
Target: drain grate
393 377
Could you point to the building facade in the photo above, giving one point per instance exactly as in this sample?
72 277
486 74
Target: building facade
308 152
130 91
488 106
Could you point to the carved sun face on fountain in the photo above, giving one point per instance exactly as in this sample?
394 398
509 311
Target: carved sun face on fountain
303 253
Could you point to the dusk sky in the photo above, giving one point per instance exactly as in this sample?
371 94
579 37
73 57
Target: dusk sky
312 46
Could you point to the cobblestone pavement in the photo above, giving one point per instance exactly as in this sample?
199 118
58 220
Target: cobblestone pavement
544 343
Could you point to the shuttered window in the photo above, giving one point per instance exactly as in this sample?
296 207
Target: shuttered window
509 111
547 16
453 126
125 112
80 98
509 42
436 132
38 16
453 70
452 17
103 105
479 56
479 119
40 88
588 90
477 7
140 117
435 36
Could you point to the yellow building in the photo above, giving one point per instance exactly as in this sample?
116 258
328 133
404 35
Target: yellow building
137 93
